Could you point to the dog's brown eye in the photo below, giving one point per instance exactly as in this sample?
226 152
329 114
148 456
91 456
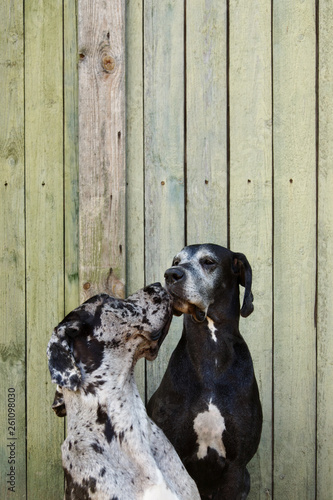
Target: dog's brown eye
176 262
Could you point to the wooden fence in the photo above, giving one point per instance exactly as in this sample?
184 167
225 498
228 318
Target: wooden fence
129 129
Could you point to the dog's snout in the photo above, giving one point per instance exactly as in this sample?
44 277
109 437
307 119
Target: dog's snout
173 275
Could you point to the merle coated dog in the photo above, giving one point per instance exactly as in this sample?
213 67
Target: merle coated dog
208 403
113 450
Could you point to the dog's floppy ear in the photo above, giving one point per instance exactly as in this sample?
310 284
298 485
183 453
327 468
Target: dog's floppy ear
63 368
242 268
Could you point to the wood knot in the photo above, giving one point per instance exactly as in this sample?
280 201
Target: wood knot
108 63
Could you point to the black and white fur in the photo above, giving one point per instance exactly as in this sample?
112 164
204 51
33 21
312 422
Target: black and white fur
113 450
208 403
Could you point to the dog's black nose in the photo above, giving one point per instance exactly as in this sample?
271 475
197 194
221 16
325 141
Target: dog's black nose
173 274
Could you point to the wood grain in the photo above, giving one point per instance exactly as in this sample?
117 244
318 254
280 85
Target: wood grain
325 255
44 238
251 199
71 157
206 122
101 43
135 225
294 126
12 249
164 151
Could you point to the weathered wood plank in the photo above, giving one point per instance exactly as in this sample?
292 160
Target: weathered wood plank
101 41
12 253
164 151
251 198
71 158
135 245
294 129
325 255
44 238
206 122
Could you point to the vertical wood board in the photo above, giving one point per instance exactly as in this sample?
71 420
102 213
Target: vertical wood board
135 250
206 122
294 249
44 238
164 151
71 159
325 255
101 43
251 199
12 254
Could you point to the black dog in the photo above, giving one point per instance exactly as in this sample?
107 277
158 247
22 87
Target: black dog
208 402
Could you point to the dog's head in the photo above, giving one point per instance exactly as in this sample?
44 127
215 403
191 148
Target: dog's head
104 332
204 275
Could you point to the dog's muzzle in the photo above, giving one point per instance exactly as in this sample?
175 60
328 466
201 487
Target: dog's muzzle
173 277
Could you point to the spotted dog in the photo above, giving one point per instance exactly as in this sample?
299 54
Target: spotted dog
208 403
113 450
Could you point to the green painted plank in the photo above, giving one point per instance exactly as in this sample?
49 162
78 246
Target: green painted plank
71 159
44 238
206 122
135 249
101 42
251 199
294 126
325 255
12 253
164 152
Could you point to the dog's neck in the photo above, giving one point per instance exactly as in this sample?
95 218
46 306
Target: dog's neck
210 344
114 422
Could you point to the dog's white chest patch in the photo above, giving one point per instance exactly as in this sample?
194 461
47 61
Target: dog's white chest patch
212 329
209 426
159 491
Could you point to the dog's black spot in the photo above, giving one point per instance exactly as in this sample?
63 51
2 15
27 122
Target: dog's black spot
150 289
74 380
121 437
96 447
99 382
103 418
74 489
145 320
89 351
90 389
109 431
113 344
92 484
69 445
102 472
130 308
